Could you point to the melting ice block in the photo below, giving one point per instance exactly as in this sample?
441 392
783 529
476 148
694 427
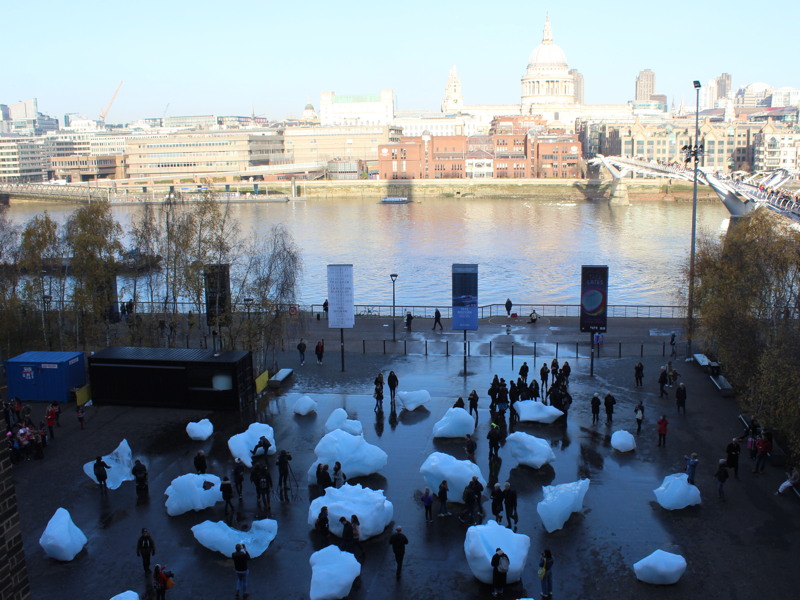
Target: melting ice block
221 537
560 501
676 492
623 441
456 423
358 457
413 400
483 540
121 463
458 473
533 410
304 405
129 595
242 444
660 568
339 420
530 450
373 510
192 492
200 430
62 539
332 573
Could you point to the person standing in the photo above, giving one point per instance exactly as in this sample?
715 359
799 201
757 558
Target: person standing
638 412
662 431
733 451
691 466
673 344
238 476
358 549
227 493
437 320
100 473
510 502
139 472
638 374
398 541
240 558
500 566
427 503
262 481
325 308
609 401
523 372
301 348
409 318
347 535
473 404
497 502
339 477
392 382
50 419
319 350
508 305
442 496
595 409
81 414
662 383
544 373
200 463
145 547
721 476
763 448
161 581
283 469
378 393
680 398
470 448
322 524
546 563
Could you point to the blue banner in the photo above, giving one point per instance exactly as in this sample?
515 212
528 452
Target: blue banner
465 297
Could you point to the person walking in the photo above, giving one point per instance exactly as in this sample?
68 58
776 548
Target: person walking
378 393
240 558
101 473
595 403
472 400
662 424
398 541
546 576
347 535
162 581
497 502
638 412
662 383
792 480
437 320
510 502
227 493
691 467
494 436
733 450
442 496
319 350
283 469
238 476
200 463
325 308
523 372
508 306
262 481
609 401
680 398
139 472
470 448
638 374
145 547
409 318
673 345
500 566
544 373
427 503
392 382
763 448
301 348
721 476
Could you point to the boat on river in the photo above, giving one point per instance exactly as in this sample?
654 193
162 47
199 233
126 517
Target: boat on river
395 200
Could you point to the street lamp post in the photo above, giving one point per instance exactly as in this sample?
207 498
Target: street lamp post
393 277
693 152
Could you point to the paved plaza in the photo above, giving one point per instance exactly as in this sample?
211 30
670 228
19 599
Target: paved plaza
743 548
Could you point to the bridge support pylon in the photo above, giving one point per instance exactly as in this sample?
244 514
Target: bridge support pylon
619 193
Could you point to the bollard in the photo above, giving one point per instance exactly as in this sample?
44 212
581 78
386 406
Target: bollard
426 347
512 355
384 346
469 348
490 348
447 348
556 349
534 351
641 350
576 350
363 346
405 346
663 348
620 350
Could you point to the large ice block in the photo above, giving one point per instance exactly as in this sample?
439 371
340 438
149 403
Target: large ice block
483 540
358 457
192 492
121 463
675 492
62 539
623 441
339 420
332 573
222 538
242 444
560 501
304 405
533 410
200 430
529 450
373 510
458 473
660 568
456 423
413 400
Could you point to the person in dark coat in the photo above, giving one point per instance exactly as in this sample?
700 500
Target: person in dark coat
473 403
508 305
100 473
347 535
437 320
283 469
544 373
680 398
301 349
200 463
595 409
392 382
523 372
609 401
324 480
733 451
546 561
638 374
262 480
240 558
139 472
497 502
319 351
442 496
227 493
238 476
145 547
662 383
398 541
378 393
510 501
409 318
500 566
322 524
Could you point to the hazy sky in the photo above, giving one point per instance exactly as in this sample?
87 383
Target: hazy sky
242 56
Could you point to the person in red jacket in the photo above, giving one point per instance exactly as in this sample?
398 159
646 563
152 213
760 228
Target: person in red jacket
763 448
662 431
50 419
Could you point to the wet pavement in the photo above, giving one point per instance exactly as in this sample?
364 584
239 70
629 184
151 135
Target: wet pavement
743 548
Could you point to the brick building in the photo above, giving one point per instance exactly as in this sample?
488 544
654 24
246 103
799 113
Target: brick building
13 572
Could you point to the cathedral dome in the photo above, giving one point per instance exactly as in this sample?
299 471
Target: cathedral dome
547 53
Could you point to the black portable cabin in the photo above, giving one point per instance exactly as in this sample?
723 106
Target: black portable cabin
172 377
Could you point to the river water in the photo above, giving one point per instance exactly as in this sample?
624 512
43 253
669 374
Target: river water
528 250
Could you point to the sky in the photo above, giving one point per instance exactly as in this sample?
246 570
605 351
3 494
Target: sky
270 58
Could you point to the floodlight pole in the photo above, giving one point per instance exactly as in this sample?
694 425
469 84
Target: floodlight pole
695 153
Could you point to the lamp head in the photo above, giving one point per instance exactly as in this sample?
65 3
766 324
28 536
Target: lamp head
697 85
393 276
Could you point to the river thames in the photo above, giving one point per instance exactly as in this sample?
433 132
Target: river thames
528 250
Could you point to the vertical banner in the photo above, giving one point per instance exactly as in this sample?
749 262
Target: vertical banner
218 294
594 298
341 311
465 297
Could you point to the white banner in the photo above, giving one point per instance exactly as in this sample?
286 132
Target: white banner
341 309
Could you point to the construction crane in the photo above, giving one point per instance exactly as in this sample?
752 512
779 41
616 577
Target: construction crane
110 102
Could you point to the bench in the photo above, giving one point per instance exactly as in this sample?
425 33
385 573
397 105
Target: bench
702 360
722 385
279 377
